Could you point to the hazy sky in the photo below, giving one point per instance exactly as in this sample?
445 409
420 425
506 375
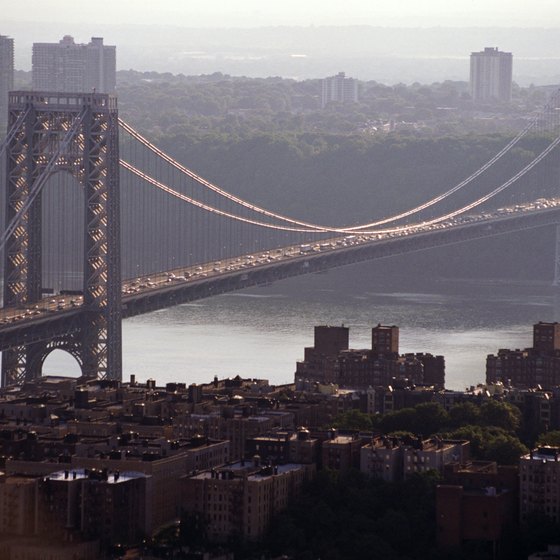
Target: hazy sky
250 13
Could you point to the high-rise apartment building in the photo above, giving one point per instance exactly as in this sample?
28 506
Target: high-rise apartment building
339 88
331 361
320 359
6 78
491 76
74 68
385 339
530 368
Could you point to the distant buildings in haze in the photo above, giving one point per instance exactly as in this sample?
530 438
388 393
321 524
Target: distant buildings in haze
74 68
339 88
490 78
6 78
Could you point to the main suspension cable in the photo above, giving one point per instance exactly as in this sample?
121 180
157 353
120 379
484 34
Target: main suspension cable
322 228
395 229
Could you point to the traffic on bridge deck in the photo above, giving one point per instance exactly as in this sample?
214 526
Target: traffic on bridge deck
215 269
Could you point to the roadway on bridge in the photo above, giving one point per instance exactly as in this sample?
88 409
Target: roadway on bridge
168 282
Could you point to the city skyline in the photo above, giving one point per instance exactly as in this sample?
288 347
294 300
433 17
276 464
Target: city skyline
364 451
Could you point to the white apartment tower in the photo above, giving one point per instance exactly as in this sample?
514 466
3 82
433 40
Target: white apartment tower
6 79
491 76
74 68
339 88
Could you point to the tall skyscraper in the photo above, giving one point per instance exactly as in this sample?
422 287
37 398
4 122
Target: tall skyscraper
339 88
6 78
491 75
74 68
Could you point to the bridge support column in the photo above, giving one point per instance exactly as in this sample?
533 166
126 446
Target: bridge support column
76 133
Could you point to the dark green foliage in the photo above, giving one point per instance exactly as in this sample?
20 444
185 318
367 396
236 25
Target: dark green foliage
343 516
425 418
353 420
491 428
463 414
551 438
539 532
500 414
491 443
403 420
269 141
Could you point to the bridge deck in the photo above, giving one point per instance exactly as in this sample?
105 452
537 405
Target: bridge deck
57 315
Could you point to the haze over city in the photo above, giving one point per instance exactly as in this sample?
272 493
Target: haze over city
281 280
253 13
404 41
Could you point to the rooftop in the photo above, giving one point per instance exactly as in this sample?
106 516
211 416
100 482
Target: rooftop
249 469
115 477
545 453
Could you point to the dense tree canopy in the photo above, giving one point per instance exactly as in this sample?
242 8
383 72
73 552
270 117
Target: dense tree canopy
348 516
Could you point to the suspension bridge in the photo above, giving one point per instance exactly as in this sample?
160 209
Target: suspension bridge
101 226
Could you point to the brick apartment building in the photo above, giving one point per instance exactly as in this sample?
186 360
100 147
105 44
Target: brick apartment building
241 499
393 459
476 502
538 366
539 483
331 361
109 507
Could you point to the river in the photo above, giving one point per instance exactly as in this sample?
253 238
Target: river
262 332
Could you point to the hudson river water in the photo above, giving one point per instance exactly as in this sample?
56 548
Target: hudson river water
262 332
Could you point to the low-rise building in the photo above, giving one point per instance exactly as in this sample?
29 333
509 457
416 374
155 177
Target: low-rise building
165 464
382 458
539 483
284 447
341 451
18 497
476 502
240 500
395 458
111 507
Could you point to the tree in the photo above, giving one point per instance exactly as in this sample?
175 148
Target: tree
395 528
463 414
353 420
491 444
401 420
500 414
431 418
551 438
505 450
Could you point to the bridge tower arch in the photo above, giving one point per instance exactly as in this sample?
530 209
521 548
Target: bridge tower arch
77 133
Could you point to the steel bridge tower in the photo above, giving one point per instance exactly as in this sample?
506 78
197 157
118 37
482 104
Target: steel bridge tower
77 134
